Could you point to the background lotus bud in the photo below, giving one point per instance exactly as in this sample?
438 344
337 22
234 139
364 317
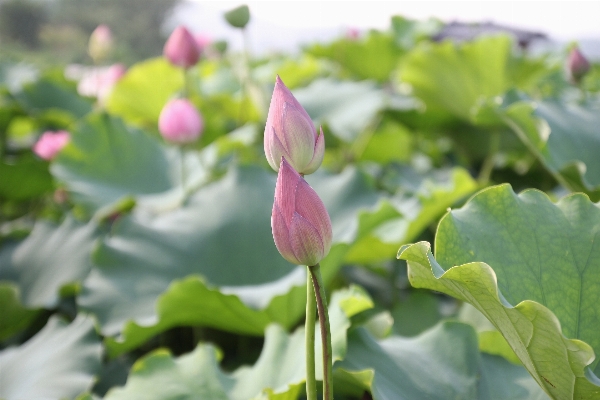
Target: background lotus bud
300 222
101 43
180 122
238 17
181 48
577 65
99 81
50 143
290 133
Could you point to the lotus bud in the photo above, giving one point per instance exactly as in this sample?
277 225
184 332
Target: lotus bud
101 43
181 48
180 122
50 143
577 65
290 133
299 221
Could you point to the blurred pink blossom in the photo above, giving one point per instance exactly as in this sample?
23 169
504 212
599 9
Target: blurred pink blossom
181 48
98 82
50 143
577 65
101 43
180 122
202 41
353 33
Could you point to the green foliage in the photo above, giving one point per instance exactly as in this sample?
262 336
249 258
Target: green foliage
524 262
167 253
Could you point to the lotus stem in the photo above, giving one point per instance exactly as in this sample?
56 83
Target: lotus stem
311 310
317 280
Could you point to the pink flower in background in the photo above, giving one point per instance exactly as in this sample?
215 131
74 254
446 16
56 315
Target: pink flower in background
353 33
299 220
181 48
180 122
98 82
202 41
290 133
101 43
50 143
577 65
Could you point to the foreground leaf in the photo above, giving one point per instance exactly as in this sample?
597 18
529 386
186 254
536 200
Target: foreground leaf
59 362
544 260
278 373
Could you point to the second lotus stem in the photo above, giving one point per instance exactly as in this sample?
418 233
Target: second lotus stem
317 280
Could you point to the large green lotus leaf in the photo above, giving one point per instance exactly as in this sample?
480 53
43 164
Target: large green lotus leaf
545 270
454 77
279 373
442 363
143 279
106 162
374 56
51 257
346 107
14 317
144 90
59 362
404 217
565 137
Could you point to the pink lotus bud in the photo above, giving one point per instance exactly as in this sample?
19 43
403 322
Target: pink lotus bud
180 122
181 48
300 222
290 133
50 143
577 65
99 81
101 43
352 33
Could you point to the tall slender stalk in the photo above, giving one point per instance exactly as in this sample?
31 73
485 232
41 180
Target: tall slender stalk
317 280
311 310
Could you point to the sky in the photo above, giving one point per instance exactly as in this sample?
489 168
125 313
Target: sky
297 22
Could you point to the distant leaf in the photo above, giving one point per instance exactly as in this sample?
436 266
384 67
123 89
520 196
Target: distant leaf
402 218
346 107
566 137
44 95
14 317
279 372
107 161
51 257
545 270
59 362
25 179
374 56
442 363
144 90
455 77
215 253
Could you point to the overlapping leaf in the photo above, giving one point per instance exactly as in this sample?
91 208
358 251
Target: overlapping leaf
221 235
279 373
442 363
59 362
526 264
564 136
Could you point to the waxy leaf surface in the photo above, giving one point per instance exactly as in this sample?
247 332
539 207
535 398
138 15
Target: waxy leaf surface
532 268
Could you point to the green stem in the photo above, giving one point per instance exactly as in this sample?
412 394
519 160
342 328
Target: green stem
317 280
182 158
311 310
487 167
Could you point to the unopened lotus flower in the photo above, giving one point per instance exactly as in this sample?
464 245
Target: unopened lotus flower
181 48
101 43
290 133
180 122
577 65
299 220
50 143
